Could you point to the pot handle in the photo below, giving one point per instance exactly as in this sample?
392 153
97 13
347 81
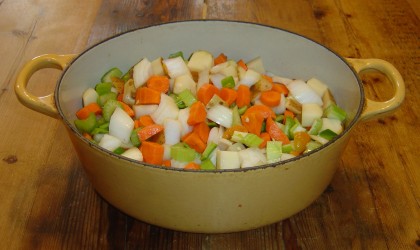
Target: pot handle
42 104
374 109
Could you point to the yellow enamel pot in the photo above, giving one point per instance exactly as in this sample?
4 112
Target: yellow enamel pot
215 201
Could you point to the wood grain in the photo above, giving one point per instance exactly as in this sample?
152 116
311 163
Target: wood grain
373 202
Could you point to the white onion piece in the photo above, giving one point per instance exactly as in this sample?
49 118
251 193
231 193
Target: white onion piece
128 89
217 69
303 93
203 78
167 109
141 72
183 118
279 109
331 124
121 125
250 78
310 112
285 156
89 96
228 160
133 153
318 86
284 80
98 137
157 67
252 157
214 135
257 65
166 152
109 142
140 110
184 82
176 67
200 60
172 130
221 115
178 164
216 79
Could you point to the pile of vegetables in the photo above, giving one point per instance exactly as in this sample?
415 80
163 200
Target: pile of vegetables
207 113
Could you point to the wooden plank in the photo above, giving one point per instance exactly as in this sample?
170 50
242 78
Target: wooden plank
42 27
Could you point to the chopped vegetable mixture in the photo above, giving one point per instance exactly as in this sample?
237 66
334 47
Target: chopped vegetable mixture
207 113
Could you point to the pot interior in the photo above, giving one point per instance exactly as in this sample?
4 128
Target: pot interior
283 53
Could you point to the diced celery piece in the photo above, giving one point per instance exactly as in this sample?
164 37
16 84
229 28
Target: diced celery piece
99 130
103 88
104 125
228 82
134 137
102 99
182 152
290 122
335 112
212 124
119 150
109 108
274 151
312 145
176 54
187 97
178 101
316 126
252 140
86 125
263 127
114 72
236 117
287 148
207 164
242 110
327 134
128 75
279 118
238 136
209 149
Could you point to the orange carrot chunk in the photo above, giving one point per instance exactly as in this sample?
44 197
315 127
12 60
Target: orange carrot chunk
152 152
203 131
158 83
253 122
192 165
194 141
288 113
220 59
198 113
228 95
275 132
127 109
149 131
263 109
145 95
145 120
266 137
242 64
84 112
270 98
206 92
281 88
243 96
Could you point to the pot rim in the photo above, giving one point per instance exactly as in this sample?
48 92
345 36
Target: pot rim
260 167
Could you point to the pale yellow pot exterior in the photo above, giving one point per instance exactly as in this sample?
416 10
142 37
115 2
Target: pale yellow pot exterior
220 201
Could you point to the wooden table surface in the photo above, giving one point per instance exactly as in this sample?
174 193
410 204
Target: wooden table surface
373 201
